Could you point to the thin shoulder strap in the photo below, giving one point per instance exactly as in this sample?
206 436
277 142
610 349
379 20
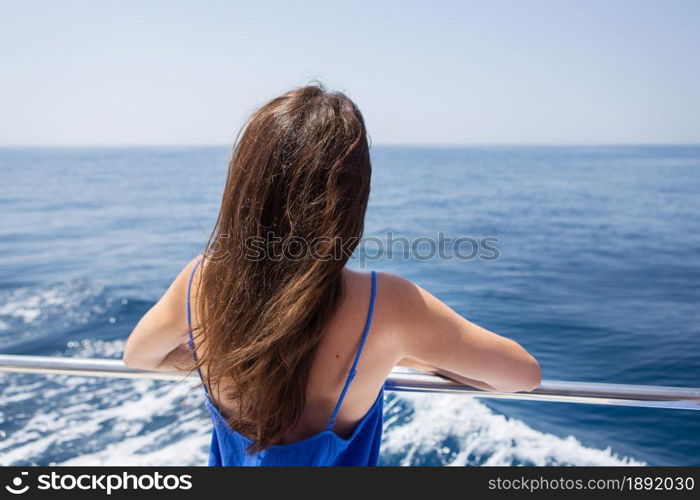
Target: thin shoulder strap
190 336
353 370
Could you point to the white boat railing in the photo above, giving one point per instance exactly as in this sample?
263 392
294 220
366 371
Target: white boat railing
678 398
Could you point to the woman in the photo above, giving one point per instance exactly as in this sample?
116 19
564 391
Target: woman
292 347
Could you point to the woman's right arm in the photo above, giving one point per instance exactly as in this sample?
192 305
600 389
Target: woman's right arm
433 337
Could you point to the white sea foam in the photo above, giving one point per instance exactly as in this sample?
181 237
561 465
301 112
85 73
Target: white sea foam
128 426
479 436
31 303
190 449
26 311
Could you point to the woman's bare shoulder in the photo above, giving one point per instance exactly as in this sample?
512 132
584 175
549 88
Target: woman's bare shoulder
391 282
392 288
396 296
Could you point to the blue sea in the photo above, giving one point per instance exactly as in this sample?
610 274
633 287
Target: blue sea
598 275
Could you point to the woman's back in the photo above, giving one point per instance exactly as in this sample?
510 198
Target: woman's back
346 384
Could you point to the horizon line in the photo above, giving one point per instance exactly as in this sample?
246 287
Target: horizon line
379 144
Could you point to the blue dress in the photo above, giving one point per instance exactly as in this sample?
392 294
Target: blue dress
326 448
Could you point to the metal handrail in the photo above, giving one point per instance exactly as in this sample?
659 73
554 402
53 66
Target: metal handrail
678 398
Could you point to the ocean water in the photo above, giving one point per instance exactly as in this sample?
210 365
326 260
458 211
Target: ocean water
598 275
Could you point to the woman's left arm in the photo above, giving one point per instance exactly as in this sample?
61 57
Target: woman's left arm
159 340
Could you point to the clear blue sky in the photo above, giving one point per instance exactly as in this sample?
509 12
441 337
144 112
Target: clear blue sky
169 72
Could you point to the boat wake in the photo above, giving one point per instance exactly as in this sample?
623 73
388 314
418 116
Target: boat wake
443 429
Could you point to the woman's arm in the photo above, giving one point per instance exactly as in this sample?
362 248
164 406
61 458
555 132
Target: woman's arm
159 340
425 367
433 337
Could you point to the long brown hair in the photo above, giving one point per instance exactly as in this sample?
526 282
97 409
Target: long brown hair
292 213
